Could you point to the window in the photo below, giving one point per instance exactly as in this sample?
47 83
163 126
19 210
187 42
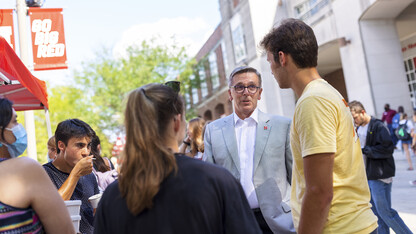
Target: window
215 79
203 82
194 89
309 8
409 65
237 35
224 56
187 101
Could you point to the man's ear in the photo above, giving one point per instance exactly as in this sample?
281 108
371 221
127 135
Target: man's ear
282 58
230 97
61 145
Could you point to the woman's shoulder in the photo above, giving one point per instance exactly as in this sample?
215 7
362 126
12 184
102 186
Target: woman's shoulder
21 165
196 167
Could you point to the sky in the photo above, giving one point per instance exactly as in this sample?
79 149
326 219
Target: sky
91 25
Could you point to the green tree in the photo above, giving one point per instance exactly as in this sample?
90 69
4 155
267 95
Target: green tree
100 88
108 80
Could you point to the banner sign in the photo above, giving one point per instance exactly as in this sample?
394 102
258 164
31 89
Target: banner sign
6 26
48 39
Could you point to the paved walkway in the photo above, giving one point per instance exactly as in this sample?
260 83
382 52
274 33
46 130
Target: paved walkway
403 195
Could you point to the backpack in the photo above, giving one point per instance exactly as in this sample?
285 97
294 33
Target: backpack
401 132
395 121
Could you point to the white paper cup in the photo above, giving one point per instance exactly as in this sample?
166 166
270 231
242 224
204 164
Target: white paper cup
73 206
94 200
76 219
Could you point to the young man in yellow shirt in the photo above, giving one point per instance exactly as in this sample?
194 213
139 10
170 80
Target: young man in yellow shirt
329 186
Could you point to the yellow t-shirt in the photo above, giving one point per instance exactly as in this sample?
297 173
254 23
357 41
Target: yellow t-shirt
323 124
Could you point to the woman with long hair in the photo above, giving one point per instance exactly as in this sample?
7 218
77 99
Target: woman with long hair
157 190
29 203
193 145
103 169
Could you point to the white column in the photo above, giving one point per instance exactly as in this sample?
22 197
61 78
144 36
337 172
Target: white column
24 56
385 64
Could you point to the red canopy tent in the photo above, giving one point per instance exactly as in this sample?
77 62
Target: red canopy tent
18 84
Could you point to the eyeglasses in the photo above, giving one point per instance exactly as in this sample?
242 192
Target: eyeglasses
175 85
252 89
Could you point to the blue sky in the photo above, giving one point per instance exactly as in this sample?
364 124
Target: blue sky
92 24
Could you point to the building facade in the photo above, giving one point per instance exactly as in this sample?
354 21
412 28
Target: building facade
367 51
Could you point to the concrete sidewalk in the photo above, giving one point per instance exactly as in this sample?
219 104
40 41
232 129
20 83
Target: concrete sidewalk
403 195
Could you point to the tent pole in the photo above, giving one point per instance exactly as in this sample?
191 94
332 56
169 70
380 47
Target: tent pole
48 123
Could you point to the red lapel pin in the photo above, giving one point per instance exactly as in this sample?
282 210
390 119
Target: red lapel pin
265 127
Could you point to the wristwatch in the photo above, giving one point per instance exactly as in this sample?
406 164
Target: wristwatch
187 143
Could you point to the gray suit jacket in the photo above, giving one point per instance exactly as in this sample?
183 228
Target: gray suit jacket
272 168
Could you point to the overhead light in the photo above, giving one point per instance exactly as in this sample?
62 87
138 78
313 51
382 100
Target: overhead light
35 3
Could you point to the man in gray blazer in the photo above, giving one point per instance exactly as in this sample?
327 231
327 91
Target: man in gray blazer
255 148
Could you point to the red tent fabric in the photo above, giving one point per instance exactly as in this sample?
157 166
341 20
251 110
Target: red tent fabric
25 90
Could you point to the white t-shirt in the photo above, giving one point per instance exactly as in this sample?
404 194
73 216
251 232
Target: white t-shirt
362 134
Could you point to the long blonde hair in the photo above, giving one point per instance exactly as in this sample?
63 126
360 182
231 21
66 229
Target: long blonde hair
197 143
146 160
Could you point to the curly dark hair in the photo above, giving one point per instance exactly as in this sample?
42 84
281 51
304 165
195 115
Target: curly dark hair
293 37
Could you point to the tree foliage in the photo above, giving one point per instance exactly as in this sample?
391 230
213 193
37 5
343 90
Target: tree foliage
101 86
107 81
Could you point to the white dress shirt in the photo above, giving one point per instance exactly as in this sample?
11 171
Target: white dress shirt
245 131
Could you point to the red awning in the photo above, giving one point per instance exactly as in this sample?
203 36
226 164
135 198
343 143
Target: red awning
18 84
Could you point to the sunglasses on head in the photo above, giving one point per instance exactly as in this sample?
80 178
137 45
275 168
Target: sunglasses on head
175 85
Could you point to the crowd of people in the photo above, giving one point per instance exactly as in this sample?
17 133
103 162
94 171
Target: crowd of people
249 172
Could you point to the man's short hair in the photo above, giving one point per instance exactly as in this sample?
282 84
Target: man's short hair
356 106
243 69
293 37
72 128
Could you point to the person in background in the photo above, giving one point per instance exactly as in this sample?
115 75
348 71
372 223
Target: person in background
395 124
193 145
414 135
408 142
15 141
103 169
157 190
330 191
377 147
51 149
29 203
71 171
254 147
388 115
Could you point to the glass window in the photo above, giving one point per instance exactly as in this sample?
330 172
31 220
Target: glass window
412 75
203 82
237 35
405 66
195 97
194 89
187 101
214 70
410 64
224 56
